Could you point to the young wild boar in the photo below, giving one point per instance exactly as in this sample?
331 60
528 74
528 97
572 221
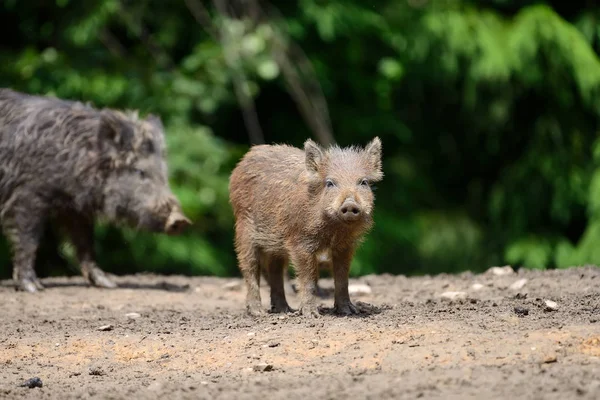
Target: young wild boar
309 207
68 161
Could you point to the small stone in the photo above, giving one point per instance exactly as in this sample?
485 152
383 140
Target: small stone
551 305
234 285
155 386
521 311
550 359
273 344
518 284
359 289
105 328
96 371
263 367
132 315
501 271
32 383
204 383
453 295
477 286
250 334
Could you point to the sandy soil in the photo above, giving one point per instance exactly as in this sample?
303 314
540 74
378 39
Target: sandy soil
179 338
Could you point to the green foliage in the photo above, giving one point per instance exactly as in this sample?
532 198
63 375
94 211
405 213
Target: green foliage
488 113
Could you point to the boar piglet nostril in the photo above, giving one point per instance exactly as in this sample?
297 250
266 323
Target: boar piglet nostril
350 209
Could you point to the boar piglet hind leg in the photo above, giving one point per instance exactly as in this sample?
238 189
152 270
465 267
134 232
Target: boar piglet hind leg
249 263
275 267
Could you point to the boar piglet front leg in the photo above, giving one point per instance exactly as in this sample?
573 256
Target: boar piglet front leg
307 271
341 270
275 267
81 231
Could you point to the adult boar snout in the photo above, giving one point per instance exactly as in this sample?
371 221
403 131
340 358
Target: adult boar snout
176 223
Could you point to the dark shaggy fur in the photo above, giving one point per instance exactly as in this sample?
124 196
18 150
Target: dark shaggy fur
68 160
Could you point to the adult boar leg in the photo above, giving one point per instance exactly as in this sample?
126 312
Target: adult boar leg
276 266
23 226
341 269
81 232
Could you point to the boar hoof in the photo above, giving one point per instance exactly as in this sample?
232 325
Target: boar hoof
346 309
255 310
38 284
98 278
283 308
28 285
310 310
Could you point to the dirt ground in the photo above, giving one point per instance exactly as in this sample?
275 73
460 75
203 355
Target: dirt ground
178 338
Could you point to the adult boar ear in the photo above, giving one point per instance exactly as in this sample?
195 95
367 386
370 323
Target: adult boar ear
155 120
373 154
314 156
116 130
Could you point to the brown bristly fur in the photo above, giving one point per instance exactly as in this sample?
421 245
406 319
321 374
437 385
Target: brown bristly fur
293 206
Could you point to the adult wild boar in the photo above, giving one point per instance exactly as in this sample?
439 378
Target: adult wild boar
309 207
69 161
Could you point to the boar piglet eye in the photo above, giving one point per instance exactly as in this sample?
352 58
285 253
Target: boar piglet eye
329 183
364 183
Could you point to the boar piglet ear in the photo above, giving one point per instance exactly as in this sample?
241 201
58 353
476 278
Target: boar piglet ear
373 154
314 156
116 130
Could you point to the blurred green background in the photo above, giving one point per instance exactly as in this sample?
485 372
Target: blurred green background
488 112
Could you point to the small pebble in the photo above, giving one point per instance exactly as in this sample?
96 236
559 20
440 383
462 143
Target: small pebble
262 367
359 289
551 305
132 315
32 383
549 359
521 311
105 328
477 286
518 284
234 285
96 371
501 271
453 295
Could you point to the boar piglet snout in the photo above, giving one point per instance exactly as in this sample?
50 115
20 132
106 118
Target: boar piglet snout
350 211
